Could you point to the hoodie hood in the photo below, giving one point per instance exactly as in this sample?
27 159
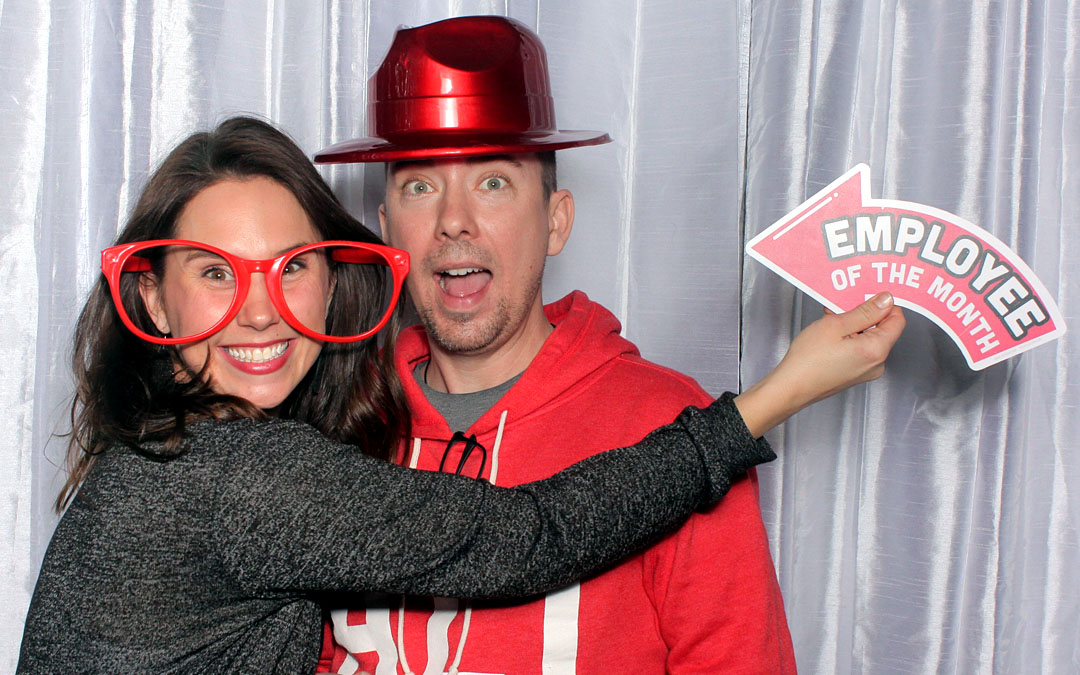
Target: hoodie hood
561 364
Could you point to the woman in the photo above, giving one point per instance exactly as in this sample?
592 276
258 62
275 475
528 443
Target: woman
224 389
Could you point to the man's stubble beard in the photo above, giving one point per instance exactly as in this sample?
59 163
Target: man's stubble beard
467 335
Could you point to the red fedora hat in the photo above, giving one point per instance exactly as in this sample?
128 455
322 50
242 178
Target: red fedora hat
474 85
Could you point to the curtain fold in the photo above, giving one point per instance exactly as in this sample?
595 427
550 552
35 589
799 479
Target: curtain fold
926 523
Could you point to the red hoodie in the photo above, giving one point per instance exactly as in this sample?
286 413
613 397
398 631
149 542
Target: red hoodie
703 600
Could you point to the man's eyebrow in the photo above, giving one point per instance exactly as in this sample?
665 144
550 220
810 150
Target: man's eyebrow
481 159
393 167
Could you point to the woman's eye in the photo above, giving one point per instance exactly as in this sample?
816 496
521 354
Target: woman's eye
293 267
495 183
417 187
218 273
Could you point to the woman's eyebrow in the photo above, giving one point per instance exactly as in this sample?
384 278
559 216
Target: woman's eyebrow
285 250
192 253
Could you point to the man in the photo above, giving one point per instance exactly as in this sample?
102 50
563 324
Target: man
505 389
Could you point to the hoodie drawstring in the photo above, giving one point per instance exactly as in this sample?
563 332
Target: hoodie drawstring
414 459
495 449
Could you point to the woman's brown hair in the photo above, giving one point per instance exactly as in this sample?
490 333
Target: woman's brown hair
127 392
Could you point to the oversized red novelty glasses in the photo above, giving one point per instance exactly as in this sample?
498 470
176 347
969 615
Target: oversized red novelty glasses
174 291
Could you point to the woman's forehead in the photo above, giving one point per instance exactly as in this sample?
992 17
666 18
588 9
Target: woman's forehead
253 218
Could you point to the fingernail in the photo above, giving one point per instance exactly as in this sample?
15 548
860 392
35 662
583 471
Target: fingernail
883 300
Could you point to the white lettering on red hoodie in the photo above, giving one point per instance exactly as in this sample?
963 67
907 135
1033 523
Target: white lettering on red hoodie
703 600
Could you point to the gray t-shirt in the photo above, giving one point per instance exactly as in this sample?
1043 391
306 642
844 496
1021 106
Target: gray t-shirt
461 410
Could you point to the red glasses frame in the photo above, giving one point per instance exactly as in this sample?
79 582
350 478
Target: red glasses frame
122 258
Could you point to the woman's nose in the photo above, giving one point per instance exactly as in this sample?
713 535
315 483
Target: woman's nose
258 310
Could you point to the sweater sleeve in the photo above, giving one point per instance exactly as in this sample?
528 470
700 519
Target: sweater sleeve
298 512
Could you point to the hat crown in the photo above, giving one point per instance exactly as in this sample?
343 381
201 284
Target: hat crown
468 74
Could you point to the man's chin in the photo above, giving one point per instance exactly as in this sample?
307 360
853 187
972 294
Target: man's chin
466 336
463 344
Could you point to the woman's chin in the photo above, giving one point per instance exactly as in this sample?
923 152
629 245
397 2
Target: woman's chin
268 388
267 399
268 404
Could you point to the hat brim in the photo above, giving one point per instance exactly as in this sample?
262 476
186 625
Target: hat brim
457 144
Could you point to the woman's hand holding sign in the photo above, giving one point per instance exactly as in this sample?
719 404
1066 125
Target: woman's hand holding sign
835 352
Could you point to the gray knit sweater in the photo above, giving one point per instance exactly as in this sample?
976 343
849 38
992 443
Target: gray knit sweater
217 560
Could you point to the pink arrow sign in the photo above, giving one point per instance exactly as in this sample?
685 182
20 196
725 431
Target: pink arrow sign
841 246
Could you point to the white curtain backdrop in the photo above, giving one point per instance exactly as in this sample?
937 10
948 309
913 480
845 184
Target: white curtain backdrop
927 523
930 523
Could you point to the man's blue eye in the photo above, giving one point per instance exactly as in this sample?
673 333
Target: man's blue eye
417 187
495 183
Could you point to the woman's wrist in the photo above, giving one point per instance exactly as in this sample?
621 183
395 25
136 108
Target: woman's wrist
766 404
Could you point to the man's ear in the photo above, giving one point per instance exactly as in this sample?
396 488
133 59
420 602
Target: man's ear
150 292
382 224
560 220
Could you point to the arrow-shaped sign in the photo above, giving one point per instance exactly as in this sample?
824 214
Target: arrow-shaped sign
841 246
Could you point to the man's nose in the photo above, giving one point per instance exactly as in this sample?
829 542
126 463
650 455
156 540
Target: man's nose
258 310
455 218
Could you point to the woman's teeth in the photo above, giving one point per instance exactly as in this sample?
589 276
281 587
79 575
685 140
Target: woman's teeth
257 354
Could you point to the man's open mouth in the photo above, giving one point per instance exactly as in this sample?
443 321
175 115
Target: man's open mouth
463 281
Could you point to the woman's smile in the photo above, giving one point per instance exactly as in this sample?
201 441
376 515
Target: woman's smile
257 359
